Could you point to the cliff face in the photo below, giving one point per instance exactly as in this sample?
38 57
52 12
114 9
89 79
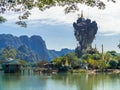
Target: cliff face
24 53
85 31
31 49
37 44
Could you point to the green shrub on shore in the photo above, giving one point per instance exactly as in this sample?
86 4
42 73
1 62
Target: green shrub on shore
111 60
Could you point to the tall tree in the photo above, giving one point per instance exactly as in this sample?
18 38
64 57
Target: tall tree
8 53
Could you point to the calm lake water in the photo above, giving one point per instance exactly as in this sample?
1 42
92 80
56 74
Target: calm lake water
60 82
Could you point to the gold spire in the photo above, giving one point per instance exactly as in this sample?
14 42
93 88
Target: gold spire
82 14
102 52
66 62
95 47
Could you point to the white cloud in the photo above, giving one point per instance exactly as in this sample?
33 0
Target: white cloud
108 34
108 20
54 15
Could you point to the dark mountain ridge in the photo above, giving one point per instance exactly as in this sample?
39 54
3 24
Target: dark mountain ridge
30 47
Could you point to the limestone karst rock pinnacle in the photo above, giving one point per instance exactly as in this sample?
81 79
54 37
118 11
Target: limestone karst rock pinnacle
84 31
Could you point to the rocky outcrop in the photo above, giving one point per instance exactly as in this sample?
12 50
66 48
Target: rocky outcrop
84 31
24 53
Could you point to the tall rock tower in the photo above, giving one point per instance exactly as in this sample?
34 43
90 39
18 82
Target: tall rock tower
84 31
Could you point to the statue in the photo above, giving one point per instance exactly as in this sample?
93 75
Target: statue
84 31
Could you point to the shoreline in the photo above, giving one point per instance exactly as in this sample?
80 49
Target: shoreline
95 71
89 71
105 71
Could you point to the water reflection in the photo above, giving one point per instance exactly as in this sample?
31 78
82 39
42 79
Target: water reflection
21 82
90 81
60 82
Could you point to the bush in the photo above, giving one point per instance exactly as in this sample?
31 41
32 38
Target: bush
113 64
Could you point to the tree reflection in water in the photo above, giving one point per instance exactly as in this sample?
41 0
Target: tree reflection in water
89 81
100 81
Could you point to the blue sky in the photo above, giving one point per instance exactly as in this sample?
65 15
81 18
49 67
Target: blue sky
56 37
60 36
56 28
